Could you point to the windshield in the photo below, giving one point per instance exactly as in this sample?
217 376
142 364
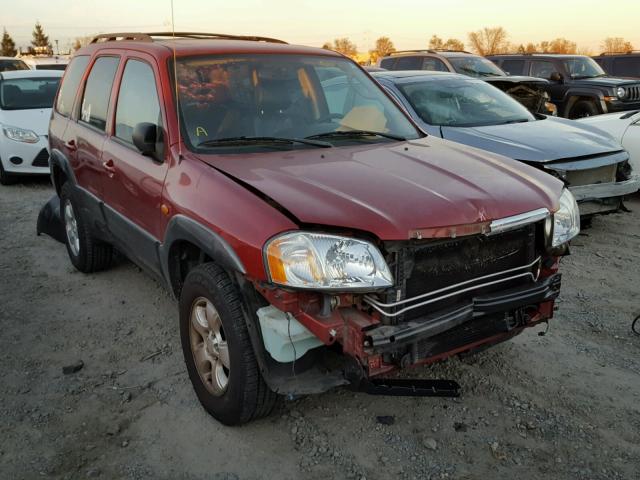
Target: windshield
26 93
285 96
468 103
12 65
475 67
583 67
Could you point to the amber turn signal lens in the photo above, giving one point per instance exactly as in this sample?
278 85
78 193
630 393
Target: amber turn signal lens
276 267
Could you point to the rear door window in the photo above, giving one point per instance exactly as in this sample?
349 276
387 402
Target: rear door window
388 63
513 67
95 102
70 84
137 101
408 63
626 66
434 65
542 69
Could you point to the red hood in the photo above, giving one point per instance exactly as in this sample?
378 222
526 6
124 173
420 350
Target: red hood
391 191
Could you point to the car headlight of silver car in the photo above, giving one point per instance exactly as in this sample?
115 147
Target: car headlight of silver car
621 92
326 262
20 134
566 221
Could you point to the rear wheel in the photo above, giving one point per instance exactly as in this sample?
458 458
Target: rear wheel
217 349
583 109
85 252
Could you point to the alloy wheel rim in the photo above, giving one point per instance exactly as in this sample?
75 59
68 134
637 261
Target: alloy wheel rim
209 346
71 227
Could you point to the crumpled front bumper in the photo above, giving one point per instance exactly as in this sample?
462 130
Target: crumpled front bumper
597 191
384 338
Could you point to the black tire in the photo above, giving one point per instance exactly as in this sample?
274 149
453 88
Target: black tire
247 397
93 255
583 108
5 178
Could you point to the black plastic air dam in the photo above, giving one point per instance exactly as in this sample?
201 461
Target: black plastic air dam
50 220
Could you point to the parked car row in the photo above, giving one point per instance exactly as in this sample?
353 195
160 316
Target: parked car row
318 226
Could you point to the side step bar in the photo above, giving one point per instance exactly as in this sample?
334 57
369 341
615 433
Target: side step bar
409 387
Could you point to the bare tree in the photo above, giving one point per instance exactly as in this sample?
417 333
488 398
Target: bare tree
345 47
437 43
562 45
489 41
582 50
616 45
384 46
80 42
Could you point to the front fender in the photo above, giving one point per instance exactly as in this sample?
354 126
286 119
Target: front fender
182 228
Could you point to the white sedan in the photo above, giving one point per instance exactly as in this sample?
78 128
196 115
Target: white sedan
26 99
625 128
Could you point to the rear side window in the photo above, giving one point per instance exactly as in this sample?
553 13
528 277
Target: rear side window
70 83
626 66
513 67
542 69
95 103
137 101
388 63
434 65
408 63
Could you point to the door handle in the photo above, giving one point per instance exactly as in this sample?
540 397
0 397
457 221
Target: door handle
71 145
110 167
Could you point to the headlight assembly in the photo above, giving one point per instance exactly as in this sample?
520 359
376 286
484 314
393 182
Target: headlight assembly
566 221
621 92
20 134
325 262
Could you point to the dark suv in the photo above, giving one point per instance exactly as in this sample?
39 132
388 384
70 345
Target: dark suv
313 236
527 90
620 64
579 86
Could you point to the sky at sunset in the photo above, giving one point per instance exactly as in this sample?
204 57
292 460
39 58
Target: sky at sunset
409 23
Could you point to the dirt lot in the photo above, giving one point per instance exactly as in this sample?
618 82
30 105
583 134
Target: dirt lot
565 405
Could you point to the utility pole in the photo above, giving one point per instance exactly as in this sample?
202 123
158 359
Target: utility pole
57 48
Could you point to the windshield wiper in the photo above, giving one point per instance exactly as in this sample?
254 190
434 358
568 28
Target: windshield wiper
244 140
356 133
517 120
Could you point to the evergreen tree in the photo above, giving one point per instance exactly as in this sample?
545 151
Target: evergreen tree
40 41
8 46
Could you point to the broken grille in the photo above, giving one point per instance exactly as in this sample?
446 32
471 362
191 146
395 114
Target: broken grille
434 275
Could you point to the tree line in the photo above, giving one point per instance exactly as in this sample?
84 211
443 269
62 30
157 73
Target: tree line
39 43
487 41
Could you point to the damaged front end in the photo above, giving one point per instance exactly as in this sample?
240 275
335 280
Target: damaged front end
598 182
449 296
529 93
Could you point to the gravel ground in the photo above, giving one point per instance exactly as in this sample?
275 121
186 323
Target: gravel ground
561 406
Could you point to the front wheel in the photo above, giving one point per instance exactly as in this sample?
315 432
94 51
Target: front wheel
583 109
217 349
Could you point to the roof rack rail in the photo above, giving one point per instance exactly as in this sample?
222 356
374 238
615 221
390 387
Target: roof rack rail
149 37
421 50
428 50
627 52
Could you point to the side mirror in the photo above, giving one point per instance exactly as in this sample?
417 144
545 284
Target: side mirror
145 138
555 77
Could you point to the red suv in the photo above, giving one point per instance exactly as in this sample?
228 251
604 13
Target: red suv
313 236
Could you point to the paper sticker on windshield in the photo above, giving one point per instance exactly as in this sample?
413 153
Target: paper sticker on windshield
85 112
